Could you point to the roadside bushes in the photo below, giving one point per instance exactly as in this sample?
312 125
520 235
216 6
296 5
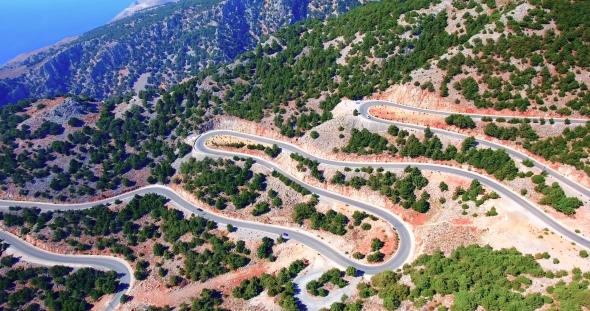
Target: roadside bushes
361 140
265 249
289 183
525 131
460 120
555 196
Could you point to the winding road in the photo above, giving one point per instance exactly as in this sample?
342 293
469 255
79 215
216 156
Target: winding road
369 103
492 184
405 234
364 110
120 266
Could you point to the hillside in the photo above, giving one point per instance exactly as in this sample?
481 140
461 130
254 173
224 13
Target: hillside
156 47
290 82
371 199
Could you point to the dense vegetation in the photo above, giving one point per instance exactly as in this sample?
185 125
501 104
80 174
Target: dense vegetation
474 275
279 77
99 157
546 80
478 276
218 182
144 217
193 34
569 148
55 288
495 162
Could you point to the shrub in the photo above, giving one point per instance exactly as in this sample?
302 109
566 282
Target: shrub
351 271
492 212
461 121
528 163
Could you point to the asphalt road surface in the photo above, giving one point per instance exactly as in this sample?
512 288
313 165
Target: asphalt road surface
405 235
370 103
499 188
364 111
122 268
300 236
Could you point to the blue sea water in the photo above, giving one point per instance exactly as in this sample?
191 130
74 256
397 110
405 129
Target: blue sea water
27 25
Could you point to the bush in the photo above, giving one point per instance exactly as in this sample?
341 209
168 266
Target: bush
314 134
538 179
584 254
492 212
260 208
376 244
460 120
375 257
351 271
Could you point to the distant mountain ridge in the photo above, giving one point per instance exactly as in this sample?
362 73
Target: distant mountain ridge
139 5
156 47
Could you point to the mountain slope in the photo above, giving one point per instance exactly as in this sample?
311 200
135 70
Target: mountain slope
290 82
161 46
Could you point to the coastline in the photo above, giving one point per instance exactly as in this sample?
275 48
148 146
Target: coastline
139 5
9 68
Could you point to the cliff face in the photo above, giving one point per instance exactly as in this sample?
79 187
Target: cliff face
163 45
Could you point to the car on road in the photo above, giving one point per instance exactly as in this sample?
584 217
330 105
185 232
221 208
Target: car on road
368 116
285 234
200 210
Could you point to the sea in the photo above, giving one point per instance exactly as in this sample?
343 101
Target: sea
28 25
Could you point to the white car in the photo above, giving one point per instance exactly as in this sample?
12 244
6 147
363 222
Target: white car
368 116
